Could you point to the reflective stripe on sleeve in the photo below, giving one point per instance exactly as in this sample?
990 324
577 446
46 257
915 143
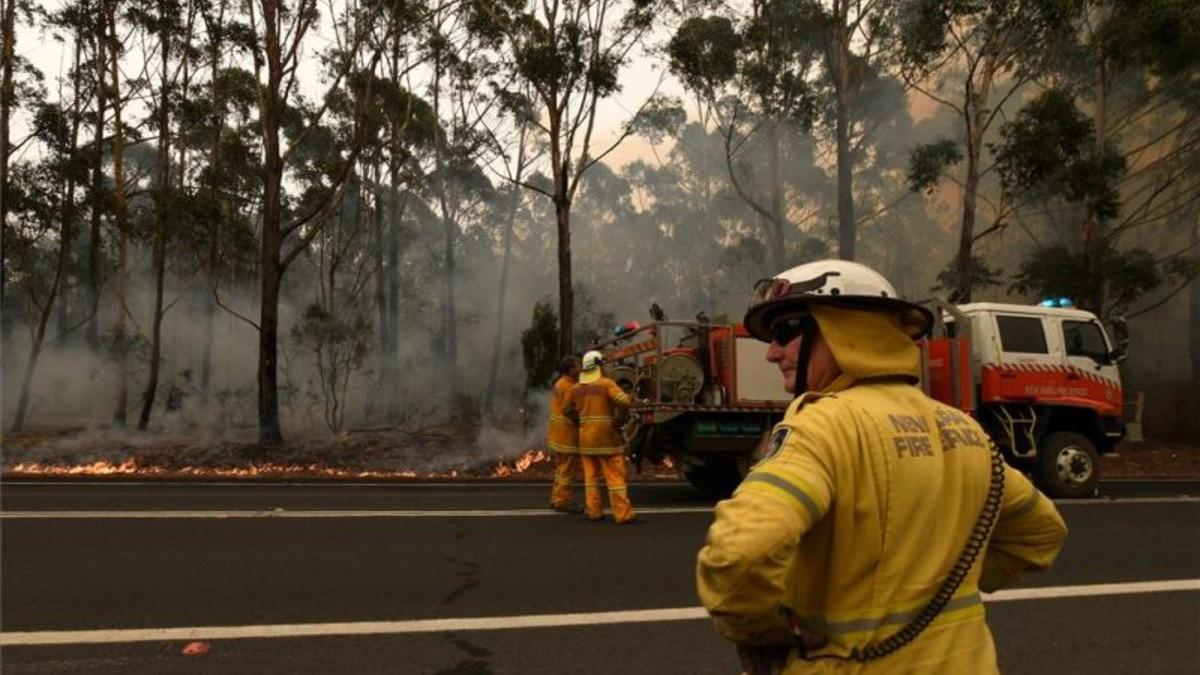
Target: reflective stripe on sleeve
596 418
870 625
790 489
612 450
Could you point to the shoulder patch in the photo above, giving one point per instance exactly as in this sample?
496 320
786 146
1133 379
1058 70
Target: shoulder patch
778 437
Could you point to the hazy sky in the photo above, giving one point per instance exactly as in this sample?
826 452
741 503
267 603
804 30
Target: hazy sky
638 81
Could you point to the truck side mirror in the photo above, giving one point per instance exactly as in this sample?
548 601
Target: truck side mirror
1121 333
1117 355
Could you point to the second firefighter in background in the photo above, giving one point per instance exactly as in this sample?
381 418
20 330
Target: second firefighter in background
593 403
562 438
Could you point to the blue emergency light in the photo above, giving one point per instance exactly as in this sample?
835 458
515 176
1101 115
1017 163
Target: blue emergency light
1057 302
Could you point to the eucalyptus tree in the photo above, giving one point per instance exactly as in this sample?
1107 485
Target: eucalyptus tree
752 76
461 105
855 39
570 53
1113 147
72 19
218 127
972 58
280 31
521 112
335 328
20 84
35 249
99 197
165 19
115 48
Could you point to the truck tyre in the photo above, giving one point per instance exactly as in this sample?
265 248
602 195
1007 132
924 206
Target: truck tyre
1068 465
716 478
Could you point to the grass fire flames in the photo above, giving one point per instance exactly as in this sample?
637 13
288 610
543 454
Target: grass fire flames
373 456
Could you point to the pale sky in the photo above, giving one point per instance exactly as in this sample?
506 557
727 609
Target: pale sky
638 81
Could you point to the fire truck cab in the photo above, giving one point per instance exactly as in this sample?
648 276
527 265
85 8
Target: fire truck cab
1042 381
1045 385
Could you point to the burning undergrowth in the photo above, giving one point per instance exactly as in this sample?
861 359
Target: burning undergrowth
442 452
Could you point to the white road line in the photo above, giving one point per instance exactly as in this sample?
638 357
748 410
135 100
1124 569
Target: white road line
75 637
1126 500
282 513
1090 590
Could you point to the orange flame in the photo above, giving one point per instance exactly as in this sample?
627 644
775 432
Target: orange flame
520 464
131 467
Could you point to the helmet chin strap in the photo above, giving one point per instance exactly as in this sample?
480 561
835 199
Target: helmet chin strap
808 331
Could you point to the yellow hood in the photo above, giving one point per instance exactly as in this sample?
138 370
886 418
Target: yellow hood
867 345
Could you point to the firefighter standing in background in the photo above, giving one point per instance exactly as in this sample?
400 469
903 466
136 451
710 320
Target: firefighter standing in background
562 437
860 543
593 402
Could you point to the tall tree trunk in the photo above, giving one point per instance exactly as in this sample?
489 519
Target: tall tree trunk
1094 240
214 233
209 325
966 234
9 37
498 341
69 210
1194 314
566 294
392 348
270 264
383 359
976 111
449 229
847 228
269 432
120 411
162 201
98 201
840 59
39 337
776 244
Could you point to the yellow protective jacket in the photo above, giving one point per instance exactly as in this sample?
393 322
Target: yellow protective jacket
849 527
561 435
594 404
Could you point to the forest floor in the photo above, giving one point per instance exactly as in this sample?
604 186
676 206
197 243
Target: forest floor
459 452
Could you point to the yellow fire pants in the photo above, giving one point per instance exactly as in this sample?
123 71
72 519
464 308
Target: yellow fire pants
566 468
612 467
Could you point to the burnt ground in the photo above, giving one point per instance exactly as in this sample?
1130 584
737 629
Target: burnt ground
462 451
1149 459
445 451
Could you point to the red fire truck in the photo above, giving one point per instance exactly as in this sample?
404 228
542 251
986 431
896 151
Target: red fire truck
1042 380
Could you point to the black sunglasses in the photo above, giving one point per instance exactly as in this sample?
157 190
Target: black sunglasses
787 329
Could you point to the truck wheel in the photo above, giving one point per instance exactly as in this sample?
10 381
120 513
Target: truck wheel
1068 465
717 478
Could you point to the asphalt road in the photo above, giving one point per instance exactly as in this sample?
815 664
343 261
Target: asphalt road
299 569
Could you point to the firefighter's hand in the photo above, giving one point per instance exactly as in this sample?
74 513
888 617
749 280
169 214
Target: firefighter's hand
767 654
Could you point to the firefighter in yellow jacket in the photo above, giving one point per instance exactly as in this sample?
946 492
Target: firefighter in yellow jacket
562 437
861 542
593 402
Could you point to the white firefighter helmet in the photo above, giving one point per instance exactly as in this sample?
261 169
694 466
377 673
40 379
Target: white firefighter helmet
591 367
839 283
593 359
